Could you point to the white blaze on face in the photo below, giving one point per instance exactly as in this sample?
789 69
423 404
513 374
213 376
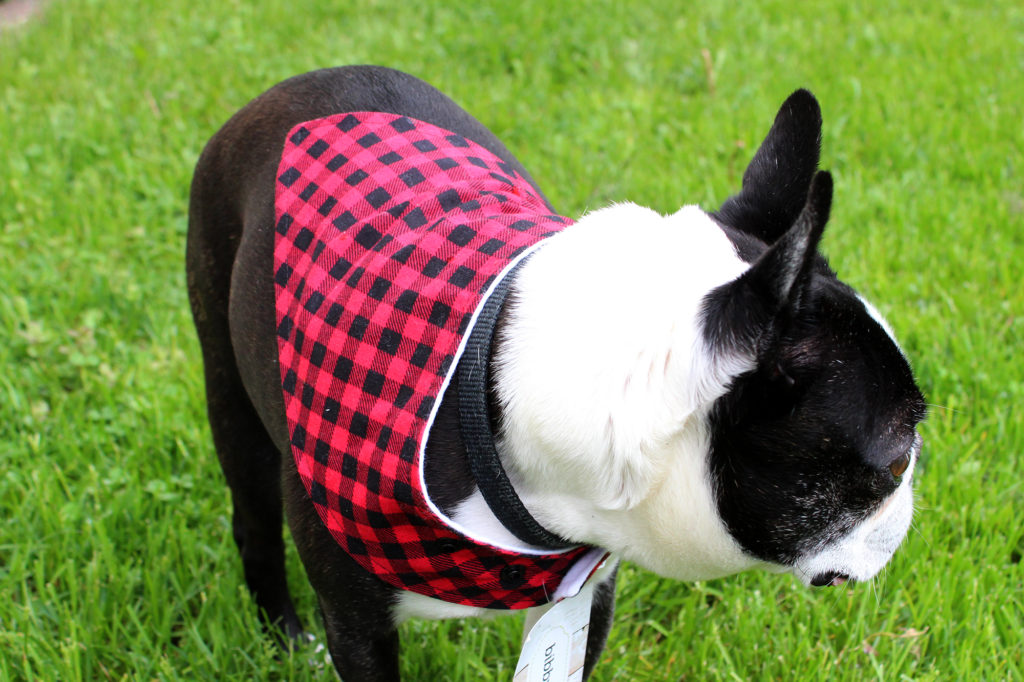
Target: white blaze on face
865 550
877 316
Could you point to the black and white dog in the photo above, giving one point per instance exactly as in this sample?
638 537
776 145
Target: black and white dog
696 392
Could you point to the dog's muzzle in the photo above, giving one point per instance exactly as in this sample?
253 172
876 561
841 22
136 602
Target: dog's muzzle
830 578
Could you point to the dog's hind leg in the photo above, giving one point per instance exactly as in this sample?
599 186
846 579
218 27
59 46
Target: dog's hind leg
248 457
251 465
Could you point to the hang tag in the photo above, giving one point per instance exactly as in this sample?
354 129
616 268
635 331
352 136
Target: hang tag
556 645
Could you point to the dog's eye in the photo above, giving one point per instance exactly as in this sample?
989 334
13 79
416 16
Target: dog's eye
899 466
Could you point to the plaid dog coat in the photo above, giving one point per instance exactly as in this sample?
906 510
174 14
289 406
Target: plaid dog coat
391 235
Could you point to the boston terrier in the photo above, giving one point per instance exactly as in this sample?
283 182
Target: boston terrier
468 403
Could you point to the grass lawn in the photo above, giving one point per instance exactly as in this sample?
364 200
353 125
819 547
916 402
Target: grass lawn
115 554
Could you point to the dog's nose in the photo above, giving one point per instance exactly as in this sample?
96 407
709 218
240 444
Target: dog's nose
830 578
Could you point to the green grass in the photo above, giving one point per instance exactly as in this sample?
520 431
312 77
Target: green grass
115 555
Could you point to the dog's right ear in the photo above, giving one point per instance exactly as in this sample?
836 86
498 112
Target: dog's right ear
776 183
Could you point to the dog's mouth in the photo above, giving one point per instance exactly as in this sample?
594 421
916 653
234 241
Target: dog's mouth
829 578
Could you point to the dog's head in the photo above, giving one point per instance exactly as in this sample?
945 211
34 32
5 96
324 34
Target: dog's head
748 409
813 449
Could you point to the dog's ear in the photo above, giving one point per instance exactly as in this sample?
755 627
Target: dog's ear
741 315
776 183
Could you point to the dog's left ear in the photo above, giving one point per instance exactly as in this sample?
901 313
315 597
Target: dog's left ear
776 183
741 315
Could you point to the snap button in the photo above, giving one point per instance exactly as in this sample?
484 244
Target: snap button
512 576
449 546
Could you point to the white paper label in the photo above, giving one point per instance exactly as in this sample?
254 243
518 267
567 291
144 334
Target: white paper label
557 643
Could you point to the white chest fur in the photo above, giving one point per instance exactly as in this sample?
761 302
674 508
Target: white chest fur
605 383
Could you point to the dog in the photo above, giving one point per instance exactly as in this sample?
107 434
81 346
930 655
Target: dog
466 402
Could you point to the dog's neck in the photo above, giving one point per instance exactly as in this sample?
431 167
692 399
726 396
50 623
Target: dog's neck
604 383
477 421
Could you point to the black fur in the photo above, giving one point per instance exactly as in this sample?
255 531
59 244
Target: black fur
801 444
793 441
229 259
788 157
742 316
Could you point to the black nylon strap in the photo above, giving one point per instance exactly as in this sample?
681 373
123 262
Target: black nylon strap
475 420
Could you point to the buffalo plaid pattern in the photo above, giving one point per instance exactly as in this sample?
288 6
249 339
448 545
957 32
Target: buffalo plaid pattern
390 233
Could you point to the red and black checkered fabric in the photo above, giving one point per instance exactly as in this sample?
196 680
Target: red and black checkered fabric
390 234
